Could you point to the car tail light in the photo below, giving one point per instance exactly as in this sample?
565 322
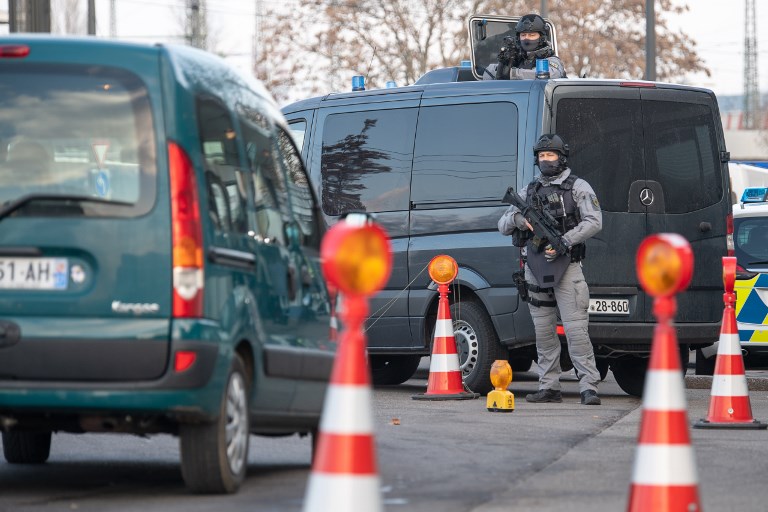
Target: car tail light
649 85
744 274
183 360
560 330
187 236
13 51
729 234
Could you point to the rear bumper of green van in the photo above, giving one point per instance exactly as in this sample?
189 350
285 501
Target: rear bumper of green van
176 396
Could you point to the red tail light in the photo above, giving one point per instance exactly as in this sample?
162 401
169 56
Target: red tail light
183 360
650 85
744 274
560 330
729 234
13 51
187 236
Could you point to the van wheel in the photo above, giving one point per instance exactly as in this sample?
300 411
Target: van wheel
602 367
390 370
25 447
214 455
477 344
630 371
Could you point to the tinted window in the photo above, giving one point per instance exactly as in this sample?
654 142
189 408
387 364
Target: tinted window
682 154
77 130
270 193
366 161
465 152
603 135
223 179
751 240
298 130
300 193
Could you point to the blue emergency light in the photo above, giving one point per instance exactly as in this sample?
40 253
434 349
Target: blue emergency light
754 195
466 63
542 68
358 83
391 84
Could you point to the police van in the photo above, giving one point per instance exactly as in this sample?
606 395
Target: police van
750 223
432 162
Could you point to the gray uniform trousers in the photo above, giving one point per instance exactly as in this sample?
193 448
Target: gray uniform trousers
572 296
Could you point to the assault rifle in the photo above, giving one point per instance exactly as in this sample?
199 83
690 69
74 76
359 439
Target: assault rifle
510 53
546 229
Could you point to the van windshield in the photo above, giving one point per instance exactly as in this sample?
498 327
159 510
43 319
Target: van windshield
751 240
76 131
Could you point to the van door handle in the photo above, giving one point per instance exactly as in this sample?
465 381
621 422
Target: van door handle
705 226
10 333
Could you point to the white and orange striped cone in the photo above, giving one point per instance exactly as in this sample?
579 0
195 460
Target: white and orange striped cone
664 476
444 381
729 405
344 472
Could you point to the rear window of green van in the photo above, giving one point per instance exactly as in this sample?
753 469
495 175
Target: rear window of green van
76 131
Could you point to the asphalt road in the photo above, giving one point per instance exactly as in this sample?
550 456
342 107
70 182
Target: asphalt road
437 456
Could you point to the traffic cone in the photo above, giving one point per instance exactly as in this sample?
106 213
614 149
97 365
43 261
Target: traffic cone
344 472
729 405
444 374
664 476
335 299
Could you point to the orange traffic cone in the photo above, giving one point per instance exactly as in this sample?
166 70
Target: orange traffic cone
344 472
664 476
444 374
335 299
729 406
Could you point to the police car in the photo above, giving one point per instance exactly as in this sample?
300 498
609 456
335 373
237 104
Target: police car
750 232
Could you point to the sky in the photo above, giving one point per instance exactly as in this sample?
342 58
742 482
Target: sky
717 31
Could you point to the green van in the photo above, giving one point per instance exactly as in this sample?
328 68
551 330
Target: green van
159 255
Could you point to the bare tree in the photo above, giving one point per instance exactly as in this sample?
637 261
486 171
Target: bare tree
318 45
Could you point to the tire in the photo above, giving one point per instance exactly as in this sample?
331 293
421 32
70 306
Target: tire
390 370
477 344
704 365
602 367
25 447
214 456
630 371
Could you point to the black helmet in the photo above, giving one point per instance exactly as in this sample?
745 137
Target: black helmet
531 23
551 142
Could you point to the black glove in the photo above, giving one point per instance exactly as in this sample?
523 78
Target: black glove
502 71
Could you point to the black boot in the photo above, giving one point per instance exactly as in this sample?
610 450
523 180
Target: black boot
544 395
590 397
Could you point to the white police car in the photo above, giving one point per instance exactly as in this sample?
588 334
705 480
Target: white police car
750 236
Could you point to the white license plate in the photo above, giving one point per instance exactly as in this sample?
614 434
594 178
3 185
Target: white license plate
608 307
33 273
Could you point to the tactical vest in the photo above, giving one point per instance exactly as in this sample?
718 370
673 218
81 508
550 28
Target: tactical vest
559 201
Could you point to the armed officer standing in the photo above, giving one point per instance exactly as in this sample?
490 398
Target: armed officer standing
517 58
553 275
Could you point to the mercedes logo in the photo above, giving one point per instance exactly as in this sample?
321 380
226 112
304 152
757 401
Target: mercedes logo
646 197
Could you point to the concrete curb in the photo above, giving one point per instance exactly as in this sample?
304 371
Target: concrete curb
705 382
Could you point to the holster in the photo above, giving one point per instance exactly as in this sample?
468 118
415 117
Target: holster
523 287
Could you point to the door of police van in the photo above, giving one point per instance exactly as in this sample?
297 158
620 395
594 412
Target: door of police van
652 157
361 156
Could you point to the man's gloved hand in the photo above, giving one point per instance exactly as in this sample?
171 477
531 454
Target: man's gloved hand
502 71
551 254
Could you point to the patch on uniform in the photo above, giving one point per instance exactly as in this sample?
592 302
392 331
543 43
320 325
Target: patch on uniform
595 203
554 65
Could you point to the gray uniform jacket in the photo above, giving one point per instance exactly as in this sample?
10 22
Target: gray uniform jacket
585 199
556 70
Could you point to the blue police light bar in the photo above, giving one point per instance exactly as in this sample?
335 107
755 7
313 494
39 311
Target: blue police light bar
391 84
754 195
358 83
466 63
542 68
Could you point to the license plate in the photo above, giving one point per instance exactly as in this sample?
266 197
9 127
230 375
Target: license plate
608 306
33 273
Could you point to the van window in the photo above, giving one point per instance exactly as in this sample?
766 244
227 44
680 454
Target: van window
223 179
682 154
270 193
603 137
465 152
366 161
751 240
301 200
77 130
298 130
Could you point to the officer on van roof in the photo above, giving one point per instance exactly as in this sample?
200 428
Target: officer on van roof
519 62
555 279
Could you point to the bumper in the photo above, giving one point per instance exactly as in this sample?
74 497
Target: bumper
607 333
